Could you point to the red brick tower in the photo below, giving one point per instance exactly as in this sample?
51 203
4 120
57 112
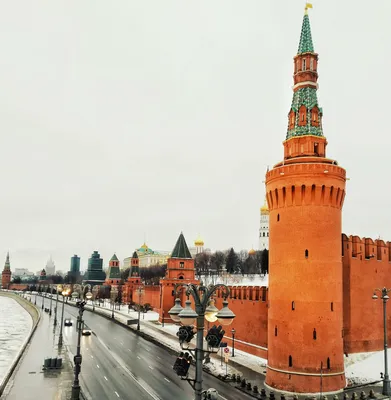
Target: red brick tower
180 269
305 194
6 274
134 279
113 277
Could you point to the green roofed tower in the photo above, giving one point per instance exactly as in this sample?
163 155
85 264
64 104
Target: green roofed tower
305 116
113 274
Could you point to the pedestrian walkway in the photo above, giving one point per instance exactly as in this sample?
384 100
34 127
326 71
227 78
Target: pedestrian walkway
29 381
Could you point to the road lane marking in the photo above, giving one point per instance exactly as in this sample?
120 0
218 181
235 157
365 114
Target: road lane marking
122 343
158 357
222 397
105 378
139 357
167 380
92 356
97 365
143 385
148 349
150 367
116 393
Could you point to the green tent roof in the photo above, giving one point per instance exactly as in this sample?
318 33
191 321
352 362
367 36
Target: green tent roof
114 258
181 250
306 45
135 255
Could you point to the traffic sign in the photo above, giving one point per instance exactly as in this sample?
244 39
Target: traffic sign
226 350
226 357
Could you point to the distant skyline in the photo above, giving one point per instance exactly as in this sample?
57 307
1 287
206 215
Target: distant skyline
125 119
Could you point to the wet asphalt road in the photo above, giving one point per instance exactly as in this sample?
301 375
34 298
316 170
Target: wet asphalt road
119 364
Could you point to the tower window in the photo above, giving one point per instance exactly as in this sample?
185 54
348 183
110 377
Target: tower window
293 305
182 264
312 64
263 234
275 331
304 64
328 363
306 254
314 334
290 361
332 306
278 217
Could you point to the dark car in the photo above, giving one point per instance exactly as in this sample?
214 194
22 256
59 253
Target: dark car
68 322
86 332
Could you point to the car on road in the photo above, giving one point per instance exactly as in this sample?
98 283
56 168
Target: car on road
68 322
86 332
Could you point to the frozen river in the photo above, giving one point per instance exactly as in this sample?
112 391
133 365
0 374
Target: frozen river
15 325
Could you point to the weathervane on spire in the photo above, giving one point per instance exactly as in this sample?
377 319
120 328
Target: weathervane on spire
307 6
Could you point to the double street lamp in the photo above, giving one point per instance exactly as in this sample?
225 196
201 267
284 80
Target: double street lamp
204 309
384 296
65 293
82 299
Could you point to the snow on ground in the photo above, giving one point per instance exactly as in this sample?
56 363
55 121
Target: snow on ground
361 368
237 280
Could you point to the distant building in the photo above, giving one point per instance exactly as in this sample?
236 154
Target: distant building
94 274
74 272
148 257
264 228
23 272
50 267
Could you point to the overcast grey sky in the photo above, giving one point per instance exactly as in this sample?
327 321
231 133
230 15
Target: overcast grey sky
124 118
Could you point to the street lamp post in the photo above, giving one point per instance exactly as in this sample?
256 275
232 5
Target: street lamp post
113 296
204 308
233 341
43 300
65 293
386 379
59 287
140 292
51 300
81 302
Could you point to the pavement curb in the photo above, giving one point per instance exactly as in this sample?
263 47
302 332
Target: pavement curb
36 317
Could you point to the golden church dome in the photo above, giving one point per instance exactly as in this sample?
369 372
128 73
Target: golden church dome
251 252
199 241
264 208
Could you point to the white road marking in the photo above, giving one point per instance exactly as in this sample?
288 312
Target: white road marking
129 350
166 380
222 397
147 349
158 357
150 367
97 365
122 343
92 356
139 357
116 393
105 378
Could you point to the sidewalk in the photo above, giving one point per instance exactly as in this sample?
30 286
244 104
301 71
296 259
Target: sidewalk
29 381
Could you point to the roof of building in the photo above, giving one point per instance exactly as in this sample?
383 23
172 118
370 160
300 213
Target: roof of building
114 258
264 208
114 273
135 255
7 264
306 45
144 249
181 250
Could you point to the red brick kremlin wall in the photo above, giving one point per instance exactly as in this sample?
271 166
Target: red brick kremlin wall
366 266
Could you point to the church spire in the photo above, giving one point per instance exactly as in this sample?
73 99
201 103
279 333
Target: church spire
7 264
305 115
306 45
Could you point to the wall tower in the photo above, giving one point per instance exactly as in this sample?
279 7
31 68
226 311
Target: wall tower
305 194
264 227
113 277
6 274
